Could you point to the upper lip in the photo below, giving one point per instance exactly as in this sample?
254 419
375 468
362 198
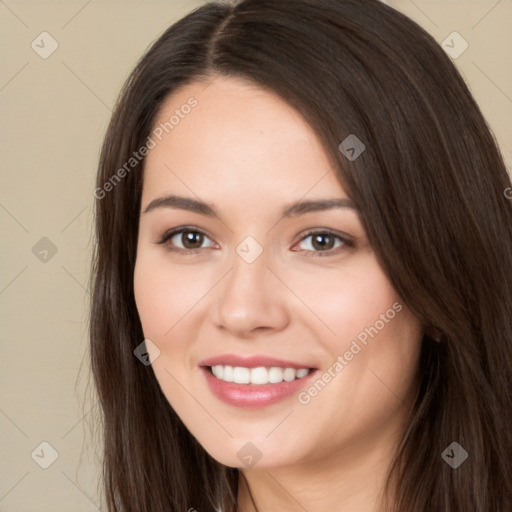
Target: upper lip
251 361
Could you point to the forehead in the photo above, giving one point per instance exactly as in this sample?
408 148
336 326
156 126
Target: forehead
233 132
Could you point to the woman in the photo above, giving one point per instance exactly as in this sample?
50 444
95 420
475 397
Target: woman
302 281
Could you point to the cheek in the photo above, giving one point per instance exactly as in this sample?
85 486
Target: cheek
346 299
165 301
366 323
164 296
153 303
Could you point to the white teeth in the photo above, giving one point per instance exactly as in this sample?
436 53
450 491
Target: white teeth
275 375
302 373
257 376
241 375
228 373
289 374
218 371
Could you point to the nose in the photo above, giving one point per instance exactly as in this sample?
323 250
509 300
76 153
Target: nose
250 299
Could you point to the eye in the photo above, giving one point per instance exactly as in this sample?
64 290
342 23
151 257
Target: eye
185 239
324 242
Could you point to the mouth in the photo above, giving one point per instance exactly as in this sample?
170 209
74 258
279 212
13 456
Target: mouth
258 376
256 381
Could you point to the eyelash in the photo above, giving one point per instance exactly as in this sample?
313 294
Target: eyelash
347 243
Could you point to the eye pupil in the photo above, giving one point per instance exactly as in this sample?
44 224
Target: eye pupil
192 239
319 241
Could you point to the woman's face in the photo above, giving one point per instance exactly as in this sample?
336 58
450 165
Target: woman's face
276 272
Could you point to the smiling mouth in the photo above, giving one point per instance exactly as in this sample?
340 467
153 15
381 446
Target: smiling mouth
258 376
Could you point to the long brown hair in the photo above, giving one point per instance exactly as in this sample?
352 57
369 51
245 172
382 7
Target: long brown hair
430 187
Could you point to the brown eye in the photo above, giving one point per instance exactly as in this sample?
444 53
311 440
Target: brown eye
191 239
185 239
324 243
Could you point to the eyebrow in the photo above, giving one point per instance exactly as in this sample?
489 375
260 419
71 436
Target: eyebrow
291 210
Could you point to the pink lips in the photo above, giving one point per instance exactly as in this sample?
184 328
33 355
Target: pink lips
251 361
248 395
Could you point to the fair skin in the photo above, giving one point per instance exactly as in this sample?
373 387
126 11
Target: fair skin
248 154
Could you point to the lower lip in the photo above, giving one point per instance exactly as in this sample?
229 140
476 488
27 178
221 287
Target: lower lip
252 396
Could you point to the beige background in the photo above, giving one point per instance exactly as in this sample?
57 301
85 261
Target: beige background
54 112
